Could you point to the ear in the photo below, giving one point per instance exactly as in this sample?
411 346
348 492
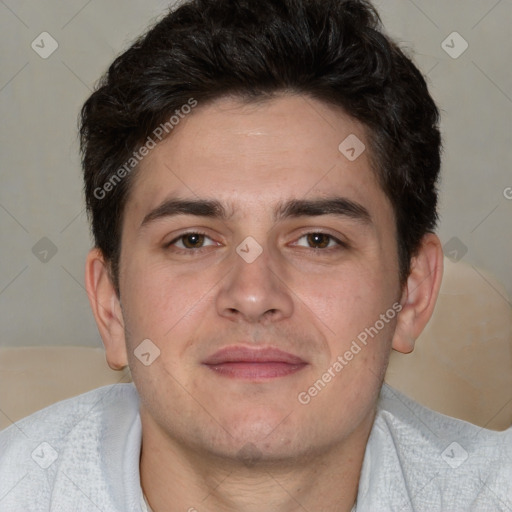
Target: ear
106 308
420 293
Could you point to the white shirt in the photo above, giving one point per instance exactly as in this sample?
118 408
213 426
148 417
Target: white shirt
82 455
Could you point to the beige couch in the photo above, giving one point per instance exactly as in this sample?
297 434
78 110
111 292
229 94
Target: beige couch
462 364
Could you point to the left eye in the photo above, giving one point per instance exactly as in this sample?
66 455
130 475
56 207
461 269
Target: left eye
192 241
318 241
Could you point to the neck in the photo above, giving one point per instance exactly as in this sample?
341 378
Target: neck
175 478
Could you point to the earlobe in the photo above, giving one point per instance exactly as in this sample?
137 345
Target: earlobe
106 309
419 294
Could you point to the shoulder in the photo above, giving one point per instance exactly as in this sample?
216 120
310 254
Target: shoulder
414 423
39 449
56 421
432 460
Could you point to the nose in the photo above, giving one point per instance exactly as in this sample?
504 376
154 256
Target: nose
254 292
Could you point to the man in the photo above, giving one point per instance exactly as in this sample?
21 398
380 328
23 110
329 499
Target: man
261 181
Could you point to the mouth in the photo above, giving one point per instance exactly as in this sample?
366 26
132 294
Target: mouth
239 362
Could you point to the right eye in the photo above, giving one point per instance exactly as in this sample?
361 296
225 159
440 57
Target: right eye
191 240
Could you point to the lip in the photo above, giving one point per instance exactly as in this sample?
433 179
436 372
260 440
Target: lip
241 362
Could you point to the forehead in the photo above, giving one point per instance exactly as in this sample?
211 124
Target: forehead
257 154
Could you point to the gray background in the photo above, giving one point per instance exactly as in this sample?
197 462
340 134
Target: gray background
42 298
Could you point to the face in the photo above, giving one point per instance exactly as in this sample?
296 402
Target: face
255 258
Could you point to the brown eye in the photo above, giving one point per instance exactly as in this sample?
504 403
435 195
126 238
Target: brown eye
192 240
318 240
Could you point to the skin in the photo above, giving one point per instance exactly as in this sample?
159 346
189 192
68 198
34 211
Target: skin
221 444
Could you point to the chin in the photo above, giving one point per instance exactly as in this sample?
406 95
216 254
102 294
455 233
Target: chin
259 436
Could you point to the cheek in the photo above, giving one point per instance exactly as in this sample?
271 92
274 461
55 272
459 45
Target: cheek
349 299
361 321
156 297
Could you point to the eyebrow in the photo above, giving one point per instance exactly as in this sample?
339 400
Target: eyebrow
338 206
197 207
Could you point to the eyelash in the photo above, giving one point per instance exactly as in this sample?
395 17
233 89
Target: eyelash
183 235
340 243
